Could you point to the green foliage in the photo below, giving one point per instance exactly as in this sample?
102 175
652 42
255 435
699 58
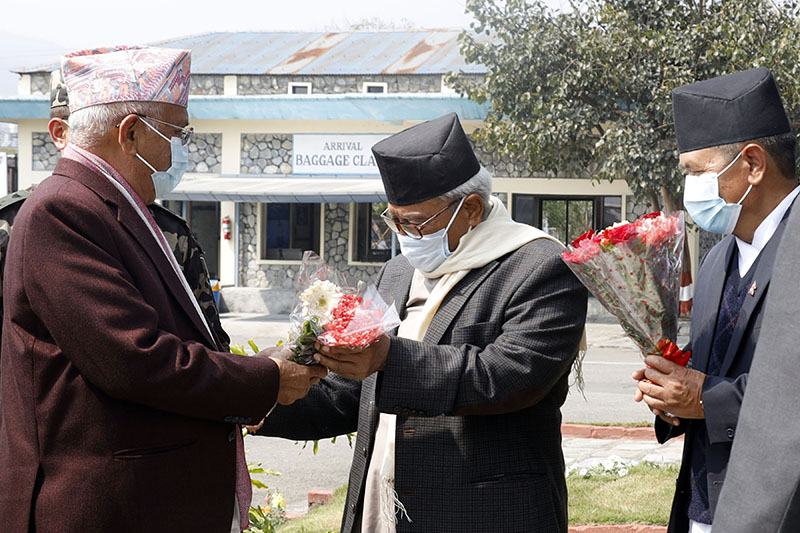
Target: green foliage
315 448
320 519
587 91
643 494
265 518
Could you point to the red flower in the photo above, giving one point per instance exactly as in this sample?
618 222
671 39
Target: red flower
586 236
670 351
618 234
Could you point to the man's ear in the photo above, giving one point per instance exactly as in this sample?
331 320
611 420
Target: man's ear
755 156
473 205
127 137
58 132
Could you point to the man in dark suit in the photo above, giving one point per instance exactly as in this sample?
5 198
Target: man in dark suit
738 152
458 412
116 403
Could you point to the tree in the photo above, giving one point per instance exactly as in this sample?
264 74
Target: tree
588 91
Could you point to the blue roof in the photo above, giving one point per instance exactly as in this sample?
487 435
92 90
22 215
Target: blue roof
383 108
309 53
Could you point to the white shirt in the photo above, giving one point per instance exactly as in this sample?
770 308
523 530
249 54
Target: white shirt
748 252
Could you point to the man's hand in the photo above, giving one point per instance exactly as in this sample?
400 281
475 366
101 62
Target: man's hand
355 363
671 391
296 379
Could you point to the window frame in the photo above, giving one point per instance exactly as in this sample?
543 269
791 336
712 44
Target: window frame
597 206
354 244
261 248
293 84
382 84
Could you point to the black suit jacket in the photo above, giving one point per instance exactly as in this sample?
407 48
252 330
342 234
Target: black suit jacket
722 394
478 442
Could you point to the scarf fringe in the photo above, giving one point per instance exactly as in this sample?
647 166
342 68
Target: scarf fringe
391 505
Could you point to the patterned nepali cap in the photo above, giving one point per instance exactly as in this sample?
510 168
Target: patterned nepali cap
58 91
126 74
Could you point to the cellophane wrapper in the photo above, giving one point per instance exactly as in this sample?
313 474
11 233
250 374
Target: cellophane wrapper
634 271
336 309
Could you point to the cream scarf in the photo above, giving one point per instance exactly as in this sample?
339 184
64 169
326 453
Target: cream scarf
493 238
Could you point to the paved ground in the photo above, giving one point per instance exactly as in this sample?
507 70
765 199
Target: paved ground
609 361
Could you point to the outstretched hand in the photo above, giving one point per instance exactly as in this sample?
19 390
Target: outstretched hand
296 380
354 362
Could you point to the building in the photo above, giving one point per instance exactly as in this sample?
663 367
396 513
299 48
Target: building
281 162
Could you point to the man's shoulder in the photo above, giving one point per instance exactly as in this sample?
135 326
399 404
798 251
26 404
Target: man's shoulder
534 255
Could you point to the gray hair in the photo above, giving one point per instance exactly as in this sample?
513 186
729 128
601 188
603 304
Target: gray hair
90 124
480 184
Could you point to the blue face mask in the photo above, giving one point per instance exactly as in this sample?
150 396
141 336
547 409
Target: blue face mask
428 253
165 181
703 203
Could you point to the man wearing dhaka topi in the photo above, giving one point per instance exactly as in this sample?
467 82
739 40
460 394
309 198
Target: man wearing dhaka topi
738 152
119 411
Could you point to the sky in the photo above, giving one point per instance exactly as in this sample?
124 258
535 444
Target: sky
33 32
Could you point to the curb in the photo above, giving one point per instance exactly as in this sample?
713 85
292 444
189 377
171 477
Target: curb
588 431
628 528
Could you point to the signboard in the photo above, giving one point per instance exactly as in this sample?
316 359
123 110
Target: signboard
3 173
337 155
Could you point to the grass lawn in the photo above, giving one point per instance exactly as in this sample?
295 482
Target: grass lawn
322 519
643 496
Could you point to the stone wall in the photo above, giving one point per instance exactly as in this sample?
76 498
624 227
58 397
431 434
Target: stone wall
207 84
266 154
501 167
40 83
205 153
707 242
337 234
634 209
254 273
45 153
411 83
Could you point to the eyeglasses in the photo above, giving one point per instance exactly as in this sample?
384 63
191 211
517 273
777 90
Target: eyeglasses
187 133
412 230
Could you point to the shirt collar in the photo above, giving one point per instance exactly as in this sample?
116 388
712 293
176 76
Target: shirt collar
748 252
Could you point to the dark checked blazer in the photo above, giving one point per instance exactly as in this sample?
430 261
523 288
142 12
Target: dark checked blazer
478 422
722 394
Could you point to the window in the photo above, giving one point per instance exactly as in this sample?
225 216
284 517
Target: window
373 238
566 218
296 87
287 230
375 87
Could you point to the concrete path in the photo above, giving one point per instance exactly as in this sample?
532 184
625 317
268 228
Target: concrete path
608 393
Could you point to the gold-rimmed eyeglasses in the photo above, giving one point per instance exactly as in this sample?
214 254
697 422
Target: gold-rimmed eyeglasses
187 132
412 230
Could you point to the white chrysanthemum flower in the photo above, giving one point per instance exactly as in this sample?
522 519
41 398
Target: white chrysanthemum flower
320 299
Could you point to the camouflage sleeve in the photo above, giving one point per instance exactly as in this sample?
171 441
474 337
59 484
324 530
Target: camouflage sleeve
191 259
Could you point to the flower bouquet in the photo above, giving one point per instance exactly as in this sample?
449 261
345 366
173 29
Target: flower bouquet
336 310
634 271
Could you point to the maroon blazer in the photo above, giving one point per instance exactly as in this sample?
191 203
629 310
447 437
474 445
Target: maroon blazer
116 412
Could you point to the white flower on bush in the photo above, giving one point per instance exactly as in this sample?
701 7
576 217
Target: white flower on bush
320 299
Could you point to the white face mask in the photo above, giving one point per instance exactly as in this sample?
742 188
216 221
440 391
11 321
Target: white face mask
428 253
704 204
165 181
